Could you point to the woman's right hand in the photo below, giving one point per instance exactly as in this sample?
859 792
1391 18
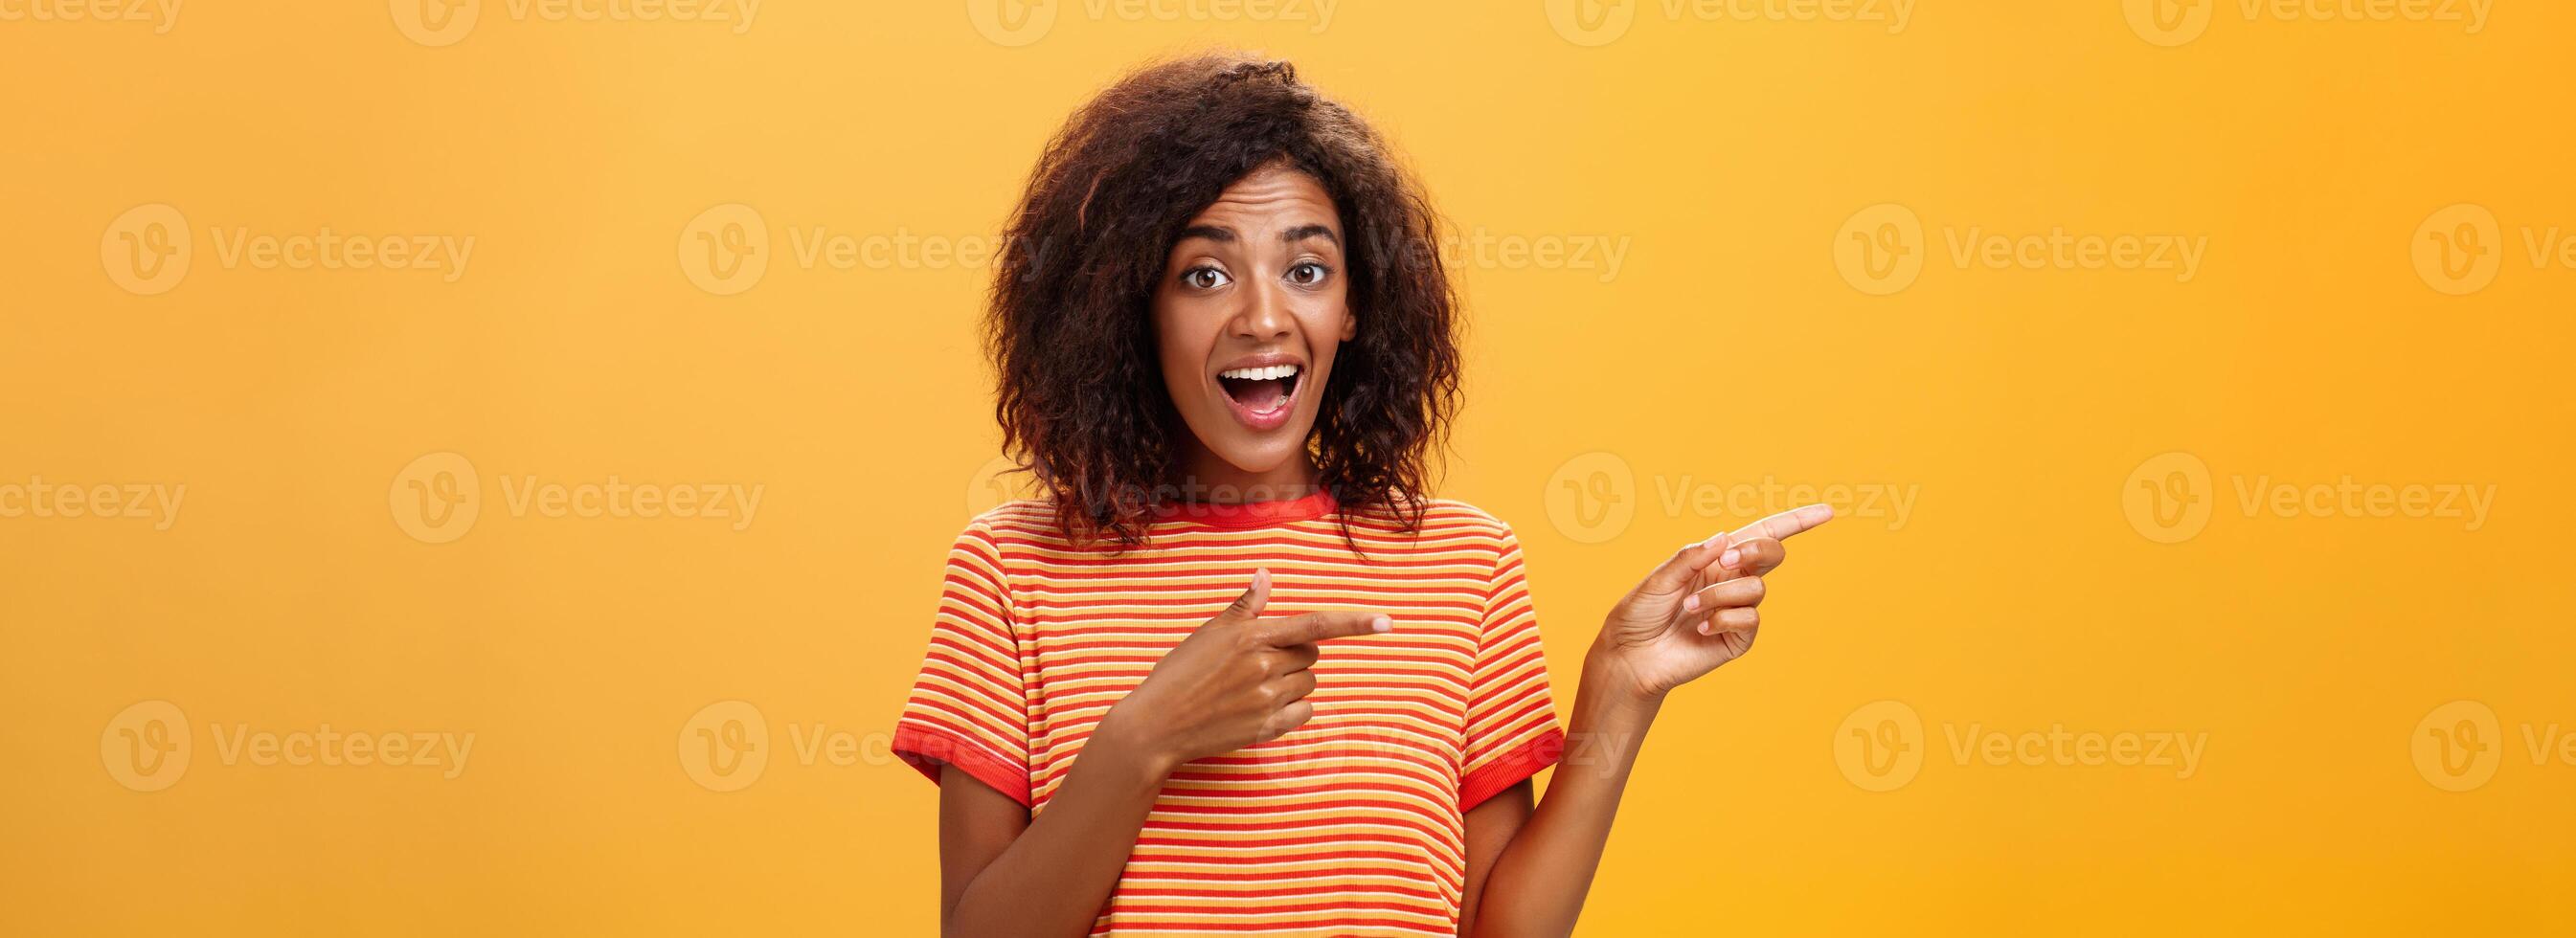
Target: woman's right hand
1238 680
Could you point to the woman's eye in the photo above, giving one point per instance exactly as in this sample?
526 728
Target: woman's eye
1308 274
1203 278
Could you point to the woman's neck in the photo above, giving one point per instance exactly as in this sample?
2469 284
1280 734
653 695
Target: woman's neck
1206 478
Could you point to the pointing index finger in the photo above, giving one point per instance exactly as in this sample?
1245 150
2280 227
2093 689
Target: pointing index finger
1318 626
1780 526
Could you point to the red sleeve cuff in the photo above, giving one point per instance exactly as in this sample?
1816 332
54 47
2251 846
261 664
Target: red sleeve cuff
1510 766
926 748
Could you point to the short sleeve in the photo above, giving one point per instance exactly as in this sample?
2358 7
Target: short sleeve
1511 718
969 707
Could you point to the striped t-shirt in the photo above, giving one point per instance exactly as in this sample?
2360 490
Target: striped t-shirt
1351 823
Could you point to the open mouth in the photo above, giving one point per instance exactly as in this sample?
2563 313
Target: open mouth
1261 394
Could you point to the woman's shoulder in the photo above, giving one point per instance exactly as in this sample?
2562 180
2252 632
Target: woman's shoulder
1452 515
1022 517
1018 522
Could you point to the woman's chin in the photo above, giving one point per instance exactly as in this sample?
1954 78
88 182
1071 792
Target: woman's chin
1259 461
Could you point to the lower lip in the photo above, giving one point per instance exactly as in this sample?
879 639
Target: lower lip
1263 420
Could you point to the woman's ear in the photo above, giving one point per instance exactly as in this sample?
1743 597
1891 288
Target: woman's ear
1350 325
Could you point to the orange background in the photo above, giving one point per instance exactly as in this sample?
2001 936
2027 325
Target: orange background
2035 581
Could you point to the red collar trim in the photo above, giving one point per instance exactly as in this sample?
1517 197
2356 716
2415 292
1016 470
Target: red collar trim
1249 514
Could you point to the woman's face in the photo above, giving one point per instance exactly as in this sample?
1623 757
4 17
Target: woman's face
1251 306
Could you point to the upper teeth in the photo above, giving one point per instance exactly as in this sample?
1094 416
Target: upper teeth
1259 374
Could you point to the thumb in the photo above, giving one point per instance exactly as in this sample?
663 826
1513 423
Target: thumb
1248 606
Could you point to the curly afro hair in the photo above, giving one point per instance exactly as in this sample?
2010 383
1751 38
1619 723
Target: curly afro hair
1081 401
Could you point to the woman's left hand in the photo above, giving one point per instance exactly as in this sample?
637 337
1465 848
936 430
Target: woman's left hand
1698 610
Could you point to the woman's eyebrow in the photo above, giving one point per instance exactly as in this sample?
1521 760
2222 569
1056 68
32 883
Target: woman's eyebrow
1290 236
1302 232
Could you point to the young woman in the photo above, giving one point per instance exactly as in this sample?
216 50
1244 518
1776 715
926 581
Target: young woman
1239 671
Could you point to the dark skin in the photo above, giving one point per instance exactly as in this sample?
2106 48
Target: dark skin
1257 279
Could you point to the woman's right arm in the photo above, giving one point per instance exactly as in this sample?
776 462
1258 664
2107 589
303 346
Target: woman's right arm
1004 874
1235 681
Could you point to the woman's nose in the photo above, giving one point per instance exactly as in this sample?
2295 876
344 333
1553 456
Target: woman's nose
1265 314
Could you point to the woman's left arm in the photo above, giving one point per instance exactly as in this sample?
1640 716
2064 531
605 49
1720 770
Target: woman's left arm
1695 612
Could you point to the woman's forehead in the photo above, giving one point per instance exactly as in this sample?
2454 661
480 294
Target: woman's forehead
1272 196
